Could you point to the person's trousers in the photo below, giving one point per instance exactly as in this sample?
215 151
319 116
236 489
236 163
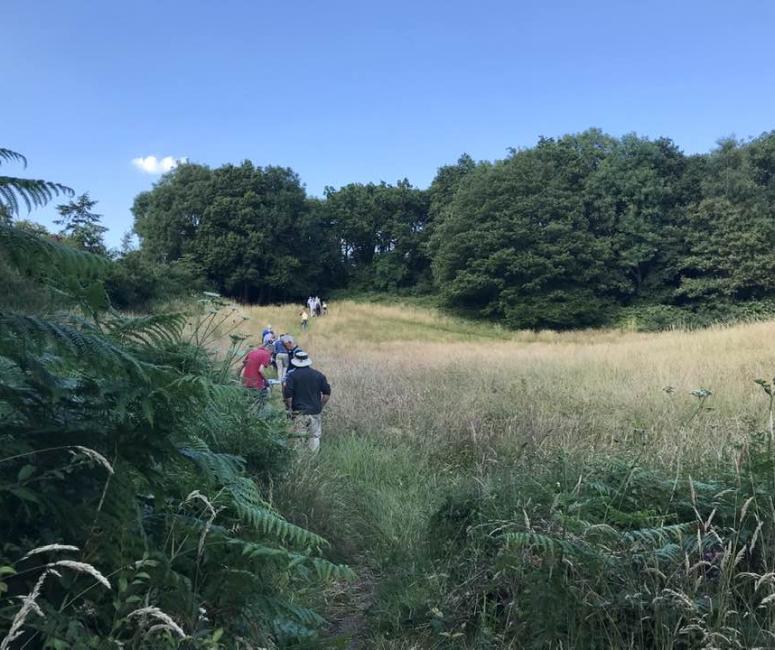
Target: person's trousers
260 395
309 427
281 359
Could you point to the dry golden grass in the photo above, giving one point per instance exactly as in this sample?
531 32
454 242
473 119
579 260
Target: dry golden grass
400 371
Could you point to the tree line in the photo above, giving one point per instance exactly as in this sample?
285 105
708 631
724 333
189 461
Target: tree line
574 231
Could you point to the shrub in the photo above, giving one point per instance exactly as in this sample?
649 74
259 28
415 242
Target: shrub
134 282
653 318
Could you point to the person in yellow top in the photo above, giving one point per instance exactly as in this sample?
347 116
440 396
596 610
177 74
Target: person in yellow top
304 318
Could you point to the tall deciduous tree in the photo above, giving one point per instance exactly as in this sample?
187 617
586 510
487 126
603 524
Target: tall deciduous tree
250 230
634 198
382 230
445 184
517 243
729 229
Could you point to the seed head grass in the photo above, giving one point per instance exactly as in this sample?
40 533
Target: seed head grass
407 372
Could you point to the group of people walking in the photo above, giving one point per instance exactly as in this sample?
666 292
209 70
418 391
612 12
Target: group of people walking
305 390
315 308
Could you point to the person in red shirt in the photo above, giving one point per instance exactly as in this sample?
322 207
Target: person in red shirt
253 366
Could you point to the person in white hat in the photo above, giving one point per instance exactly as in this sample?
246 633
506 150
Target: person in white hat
306 391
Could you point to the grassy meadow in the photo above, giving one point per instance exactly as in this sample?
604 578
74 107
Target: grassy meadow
463 468
412 375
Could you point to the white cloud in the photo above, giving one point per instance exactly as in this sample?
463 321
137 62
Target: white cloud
154 165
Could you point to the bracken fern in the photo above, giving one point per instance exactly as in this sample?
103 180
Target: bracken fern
110 424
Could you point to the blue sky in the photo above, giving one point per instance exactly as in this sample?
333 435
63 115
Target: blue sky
363 91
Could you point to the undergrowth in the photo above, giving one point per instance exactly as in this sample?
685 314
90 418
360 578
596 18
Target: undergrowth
134 478
610 554
547 550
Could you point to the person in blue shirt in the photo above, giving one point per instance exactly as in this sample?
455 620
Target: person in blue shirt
281 358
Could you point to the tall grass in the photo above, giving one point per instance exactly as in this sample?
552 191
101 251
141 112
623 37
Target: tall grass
540 489
476 387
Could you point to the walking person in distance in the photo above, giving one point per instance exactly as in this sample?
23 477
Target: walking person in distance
306 391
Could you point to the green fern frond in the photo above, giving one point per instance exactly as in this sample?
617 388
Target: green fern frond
329 571
34 193
324 569
255 512
254 550
279 609
633 519
202 386
6 155
153 330
89 347
219 468
45 257
671 553
546 544
660 535
241 493
602 531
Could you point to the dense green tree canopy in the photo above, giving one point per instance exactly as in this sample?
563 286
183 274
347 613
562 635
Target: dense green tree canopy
446 183
633 198
250 230
518 243
562 234
566 233
381 231
729 228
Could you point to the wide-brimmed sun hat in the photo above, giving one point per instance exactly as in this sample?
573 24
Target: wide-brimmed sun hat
301 359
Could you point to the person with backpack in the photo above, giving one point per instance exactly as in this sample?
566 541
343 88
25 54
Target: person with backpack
306 392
